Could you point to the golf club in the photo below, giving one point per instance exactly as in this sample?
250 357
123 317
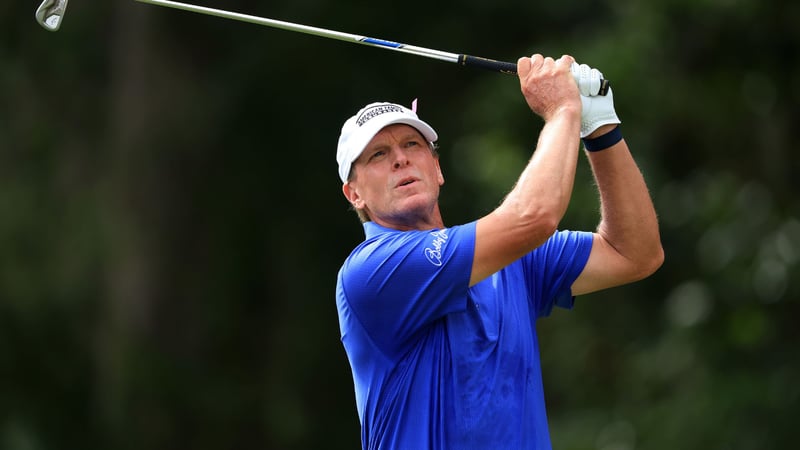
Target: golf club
50 13
463 60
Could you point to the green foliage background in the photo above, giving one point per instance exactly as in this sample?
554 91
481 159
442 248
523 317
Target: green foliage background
171 221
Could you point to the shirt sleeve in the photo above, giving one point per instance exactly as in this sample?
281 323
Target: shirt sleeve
553 267
399 282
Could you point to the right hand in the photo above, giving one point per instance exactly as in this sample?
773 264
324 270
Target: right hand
548 85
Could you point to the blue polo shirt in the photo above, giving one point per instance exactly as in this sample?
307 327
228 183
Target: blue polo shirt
440 365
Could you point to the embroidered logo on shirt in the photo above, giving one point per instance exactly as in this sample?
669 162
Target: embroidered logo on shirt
434 253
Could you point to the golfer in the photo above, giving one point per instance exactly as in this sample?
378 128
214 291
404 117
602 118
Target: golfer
438 321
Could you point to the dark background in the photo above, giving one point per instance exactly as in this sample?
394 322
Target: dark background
171 219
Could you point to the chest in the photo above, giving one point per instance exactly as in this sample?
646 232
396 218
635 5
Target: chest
498 319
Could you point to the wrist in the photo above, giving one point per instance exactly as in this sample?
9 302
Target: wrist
601 130
567 111
604 137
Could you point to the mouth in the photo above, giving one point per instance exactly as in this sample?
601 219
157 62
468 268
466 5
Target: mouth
406 181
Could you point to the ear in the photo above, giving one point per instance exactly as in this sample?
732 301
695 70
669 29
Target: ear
350 191
439 176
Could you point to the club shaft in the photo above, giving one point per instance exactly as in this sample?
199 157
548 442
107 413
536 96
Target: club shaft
347 37
461 59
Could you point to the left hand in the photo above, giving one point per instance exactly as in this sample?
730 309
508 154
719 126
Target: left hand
597 110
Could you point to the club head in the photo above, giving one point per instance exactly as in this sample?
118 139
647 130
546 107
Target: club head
50 13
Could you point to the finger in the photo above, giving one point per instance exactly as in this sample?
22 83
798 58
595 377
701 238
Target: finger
523 67
536 61
581 74
588 79
595 76
565 60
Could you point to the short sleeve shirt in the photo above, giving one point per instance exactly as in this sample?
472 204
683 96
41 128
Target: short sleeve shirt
437 364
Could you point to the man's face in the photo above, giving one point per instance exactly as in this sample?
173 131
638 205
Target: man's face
396 179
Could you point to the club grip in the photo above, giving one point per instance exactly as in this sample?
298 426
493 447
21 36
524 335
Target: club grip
509 68
487 64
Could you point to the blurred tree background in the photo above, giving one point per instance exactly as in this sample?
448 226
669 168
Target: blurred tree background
171 221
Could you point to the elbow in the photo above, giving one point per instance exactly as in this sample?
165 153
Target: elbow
527 224
528 228
649 262
657 260
533 218
540 226
549 225
655 257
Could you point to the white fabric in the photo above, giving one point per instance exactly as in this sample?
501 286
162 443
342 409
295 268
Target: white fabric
597 110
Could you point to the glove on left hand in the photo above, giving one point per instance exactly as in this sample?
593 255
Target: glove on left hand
597 110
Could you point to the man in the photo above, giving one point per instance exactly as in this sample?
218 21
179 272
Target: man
438 322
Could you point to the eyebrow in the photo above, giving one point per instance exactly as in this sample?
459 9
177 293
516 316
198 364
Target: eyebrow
411 136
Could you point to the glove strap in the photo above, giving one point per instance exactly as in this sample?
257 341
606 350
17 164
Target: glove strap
603 142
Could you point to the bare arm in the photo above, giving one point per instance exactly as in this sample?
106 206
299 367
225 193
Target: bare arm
530 213
627 244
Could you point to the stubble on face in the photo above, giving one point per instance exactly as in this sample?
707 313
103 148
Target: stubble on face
397 179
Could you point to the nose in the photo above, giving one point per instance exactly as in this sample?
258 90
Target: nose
400 158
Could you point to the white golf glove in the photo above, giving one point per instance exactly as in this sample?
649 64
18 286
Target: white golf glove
597 110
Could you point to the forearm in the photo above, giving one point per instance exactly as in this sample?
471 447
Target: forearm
530 213
545 185
628 218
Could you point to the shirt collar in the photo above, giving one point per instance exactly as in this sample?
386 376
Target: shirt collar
372 229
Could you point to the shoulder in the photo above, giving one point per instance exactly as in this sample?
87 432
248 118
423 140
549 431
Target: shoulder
382 243
387 252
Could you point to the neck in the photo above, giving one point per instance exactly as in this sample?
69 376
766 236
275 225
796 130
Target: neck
407 222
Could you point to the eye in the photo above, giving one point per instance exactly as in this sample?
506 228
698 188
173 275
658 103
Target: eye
413 143
377 154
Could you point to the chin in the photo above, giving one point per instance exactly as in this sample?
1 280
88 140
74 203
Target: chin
417 207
